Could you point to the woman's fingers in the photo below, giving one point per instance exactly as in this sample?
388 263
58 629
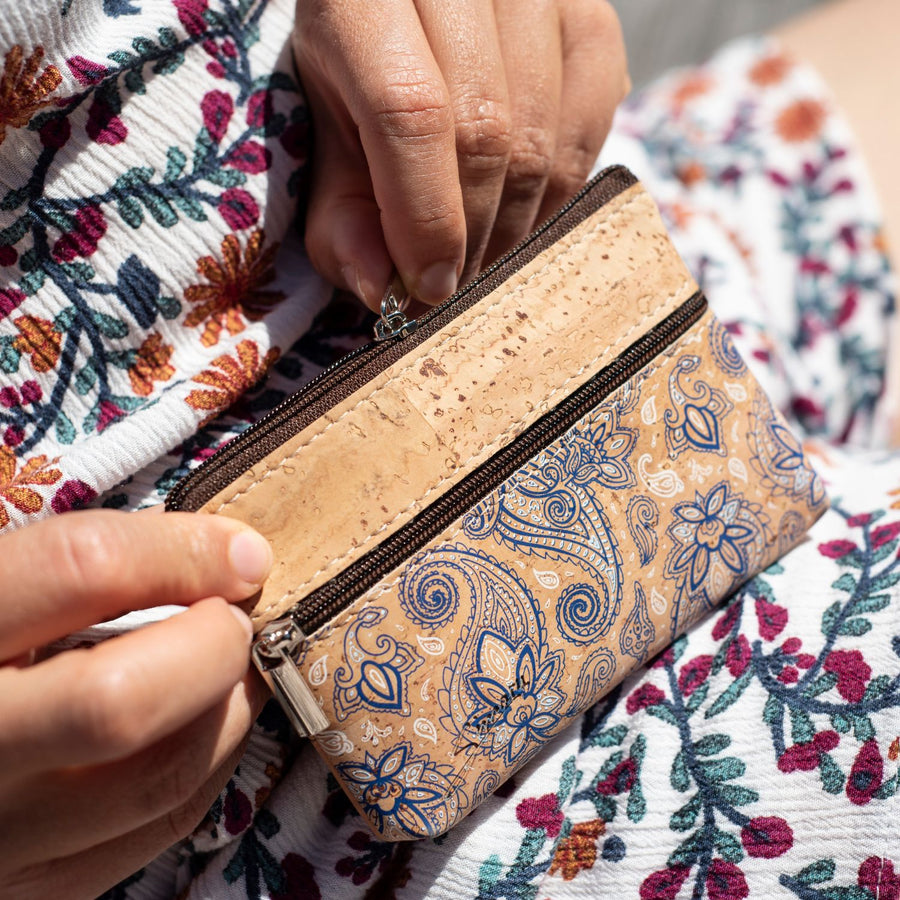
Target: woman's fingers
383 70
101 563
532 53
86 874
595 79
88 706
463 37
151 784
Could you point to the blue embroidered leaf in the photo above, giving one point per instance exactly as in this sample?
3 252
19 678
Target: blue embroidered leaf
802 728
81 273
32 282
683 819
116 8
877 687
636 807
143 46
138 289
884 581
845 583
697 698
128 403
65 430
855 627
711 744
489 874
9 356
169 307
168 64
190 207
167 37
175 163
686 852
889 788
122 57
736 795
14 199
772 711
729 846
134 81
86 378
14 233
822 684
726 769
818 872
226 177
63 320
840 723
862 728
203 149
109 326
731 694
611 737
662 711
829 617
872 604
831 774
131 211
680 777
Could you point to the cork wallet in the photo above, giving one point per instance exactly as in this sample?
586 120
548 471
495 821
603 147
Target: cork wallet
486 521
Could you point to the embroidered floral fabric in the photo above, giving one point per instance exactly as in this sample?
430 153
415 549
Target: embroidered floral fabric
141 296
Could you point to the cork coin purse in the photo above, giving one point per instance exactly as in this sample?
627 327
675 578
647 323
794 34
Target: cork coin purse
486 520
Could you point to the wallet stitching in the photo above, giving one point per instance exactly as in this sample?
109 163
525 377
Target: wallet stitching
378 591
500 299
256 616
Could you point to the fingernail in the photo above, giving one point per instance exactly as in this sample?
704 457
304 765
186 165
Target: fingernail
242 617
250 556
437 283
362 287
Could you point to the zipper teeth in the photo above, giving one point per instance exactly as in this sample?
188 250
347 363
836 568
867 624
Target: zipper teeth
319 386
318 607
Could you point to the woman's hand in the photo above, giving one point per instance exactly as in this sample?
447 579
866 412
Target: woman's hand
110 754
444 130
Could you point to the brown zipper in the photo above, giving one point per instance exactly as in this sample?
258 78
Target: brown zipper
317 607
356 369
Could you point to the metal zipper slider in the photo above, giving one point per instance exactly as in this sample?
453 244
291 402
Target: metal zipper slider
393 322
273 655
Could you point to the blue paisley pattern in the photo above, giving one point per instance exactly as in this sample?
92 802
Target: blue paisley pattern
717 539
582 615
550 509
638 633
373 679
724 352
778 457
694 421
500 694
401 790
642 517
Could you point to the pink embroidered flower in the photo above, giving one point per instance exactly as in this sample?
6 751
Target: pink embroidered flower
726 622
738 655
664 884
860 520
771 618
836 549
250 157
766 837
877 876
788 675
866 774
84 236
620 780
725 881
217 108
9 397
31 391
103 125
190 14
72 494
85 71
55 132
804 757
694 674
853 673
541 812
645 696
109 413
238 209
259 109
10 298
883 534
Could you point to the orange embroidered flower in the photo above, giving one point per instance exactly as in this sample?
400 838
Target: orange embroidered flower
15 490
691 173
693 86
233 378
234 289
22 91
800 121
578 851
39 339
770 70
151 364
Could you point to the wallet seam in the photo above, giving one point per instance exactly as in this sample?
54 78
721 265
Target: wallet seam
378 591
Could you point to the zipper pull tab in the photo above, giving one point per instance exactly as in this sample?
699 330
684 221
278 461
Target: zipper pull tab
393 322
273 655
